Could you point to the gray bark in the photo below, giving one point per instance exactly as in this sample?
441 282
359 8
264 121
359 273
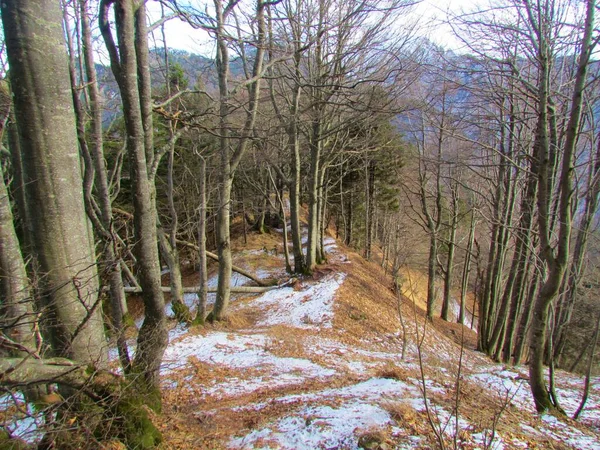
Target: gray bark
202 263
52 176
556 259
152 337
230 159
17 301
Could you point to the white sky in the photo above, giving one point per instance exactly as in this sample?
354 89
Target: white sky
182 36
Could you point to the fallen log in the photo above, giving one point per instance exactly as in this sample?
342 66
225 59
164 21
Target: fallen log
216 258
194 289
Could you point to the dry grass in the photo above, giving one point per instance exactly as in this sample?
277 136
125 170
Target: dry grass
366 320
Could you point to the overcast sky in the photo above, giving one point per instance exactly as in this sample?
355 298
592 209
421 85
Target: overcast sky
432 12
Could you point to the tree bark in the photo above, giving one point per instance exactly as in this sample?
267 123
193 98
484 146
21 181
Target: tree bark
202 263
556 259
17 301
152 337
230 159
52 176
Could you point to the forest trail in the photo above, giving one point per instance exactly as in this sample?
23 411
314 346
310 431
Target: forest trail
317 365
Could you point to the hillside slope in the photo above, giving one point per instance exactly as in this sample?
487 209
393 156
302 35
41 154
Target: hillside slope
318 365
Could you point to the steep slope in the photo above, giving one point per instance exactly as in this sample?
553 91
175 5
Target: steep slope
318 365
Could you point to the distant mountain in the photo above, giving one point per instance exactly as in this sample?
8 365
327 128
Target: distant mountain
195 67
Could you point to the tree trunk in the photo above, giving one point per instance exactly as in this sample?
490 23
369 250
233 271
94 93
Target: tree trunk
202 264
286 250
348 222
152 337
313 196
464 285
229 159
569 296
111 267
556 259
369 207
52 176
431 275
449 272
17 301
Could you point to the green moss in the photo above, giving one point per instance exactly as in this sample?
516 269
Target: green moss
128 321
199 321
182 312
137 430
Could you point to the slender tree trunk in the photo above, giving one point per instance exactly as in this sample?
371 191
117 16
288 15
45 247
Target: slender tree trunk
229 159
555 259
111 260
588 373
369 206
17 187
431 275
286 250
313 196
464 285
202 263
348 222
449 272
152 337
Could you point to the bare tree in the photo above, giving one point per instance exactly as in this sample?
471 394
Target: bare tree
130 23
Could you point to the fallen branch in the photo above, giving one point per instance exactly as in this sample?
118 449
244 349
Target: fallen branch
194 289
216 258
19 371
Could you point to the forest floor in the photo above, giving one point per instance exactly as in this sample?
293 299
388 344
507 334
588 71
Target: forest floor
318 365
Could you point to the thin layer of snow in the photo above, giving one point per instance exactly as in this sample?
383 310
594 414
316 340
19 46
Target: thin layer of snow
318 427
236 351
570 435
507 384
311 307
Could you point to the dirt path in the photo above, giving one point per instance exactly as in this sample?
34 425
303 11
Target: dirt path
317 365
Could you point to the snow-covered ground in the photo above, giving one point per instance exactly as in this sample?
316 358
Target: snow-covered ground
307 387
337 417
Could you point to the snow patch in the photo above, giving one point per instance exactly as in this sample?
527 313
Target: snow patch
311 307
318 427
237 351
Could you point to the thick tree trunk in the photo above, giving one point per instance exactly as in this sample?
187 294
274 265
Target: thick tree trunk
223 239
52 176
569 296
